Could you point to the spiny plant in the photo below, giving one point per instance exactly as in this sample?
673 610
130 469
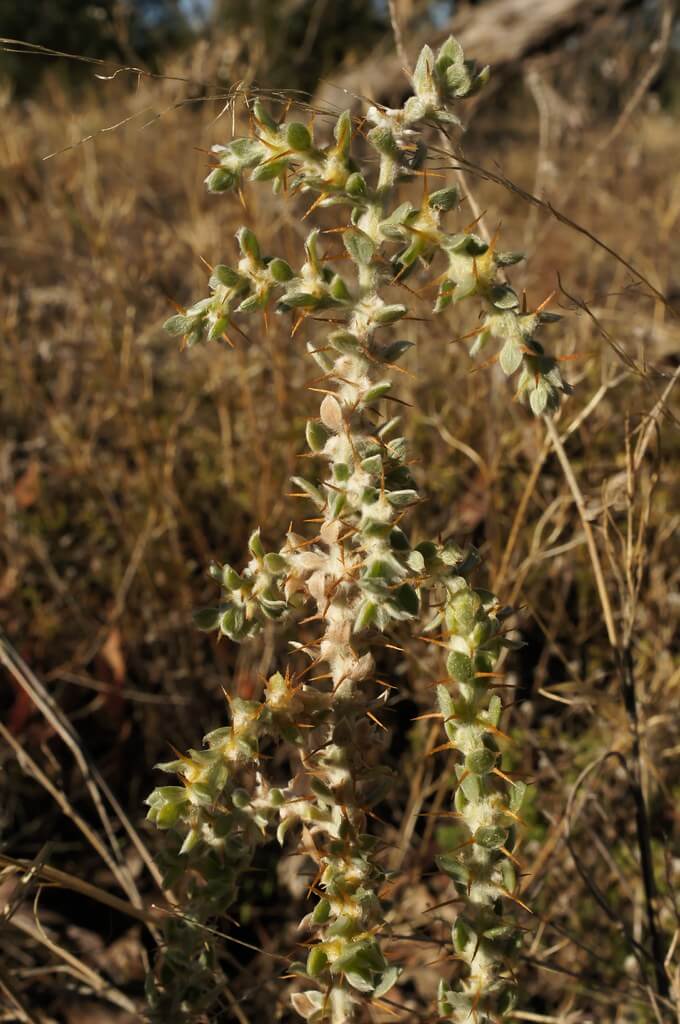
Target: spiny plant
356 577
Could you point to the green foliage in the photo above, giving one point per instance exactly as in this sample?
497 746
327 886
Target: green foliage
360 575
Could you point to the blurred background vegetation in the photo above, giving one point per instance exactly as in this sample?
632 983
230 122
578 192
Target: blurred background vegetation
126 466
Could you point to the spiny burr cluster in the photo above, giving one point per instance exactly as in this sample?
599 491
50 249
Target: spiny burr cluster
356 577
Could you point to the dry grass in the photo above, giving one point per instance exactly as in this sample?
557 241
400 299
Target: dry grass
125 466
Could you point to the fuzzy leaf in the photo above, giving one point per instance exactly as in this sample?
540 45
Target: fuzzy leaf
377 391
460 667
224 275
298 137
401 498
407 599
206 619
444 199
538 399
177 324
503 297
389 314
316 435
360 247
491 837
422 75
395 350
280 270
510 357
389 978
311 489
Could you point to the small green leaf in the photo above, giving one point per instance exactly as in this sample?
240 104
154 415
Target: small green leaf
538 399
445 701
376 528
317 435
298 137
263 116
224 275
480 761
491 837
389 978
360 247
444 199
206 619
460 667
230 578
377 391
241 798
401 498
372 465
355 186
250 303
269 171
494 710
451 866
280 270
450 52
508 259
275 563
422 75
321 912
317 961
407 599
255 544
362 981
220 180
384 141
300 300
395 350
510 357
167 815
343 132
284 826
503 297
517 794
177 324
248 244
338 289
458 79
191 840
310 489
466 287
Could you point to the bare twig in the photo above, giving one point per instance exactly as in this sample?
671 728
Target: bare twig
75 884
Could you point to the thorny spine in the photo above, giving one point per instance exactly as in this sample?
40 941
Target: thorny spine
359 575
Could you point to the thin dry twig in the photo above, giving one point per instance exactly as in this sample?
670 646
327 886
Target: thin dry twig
68 881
